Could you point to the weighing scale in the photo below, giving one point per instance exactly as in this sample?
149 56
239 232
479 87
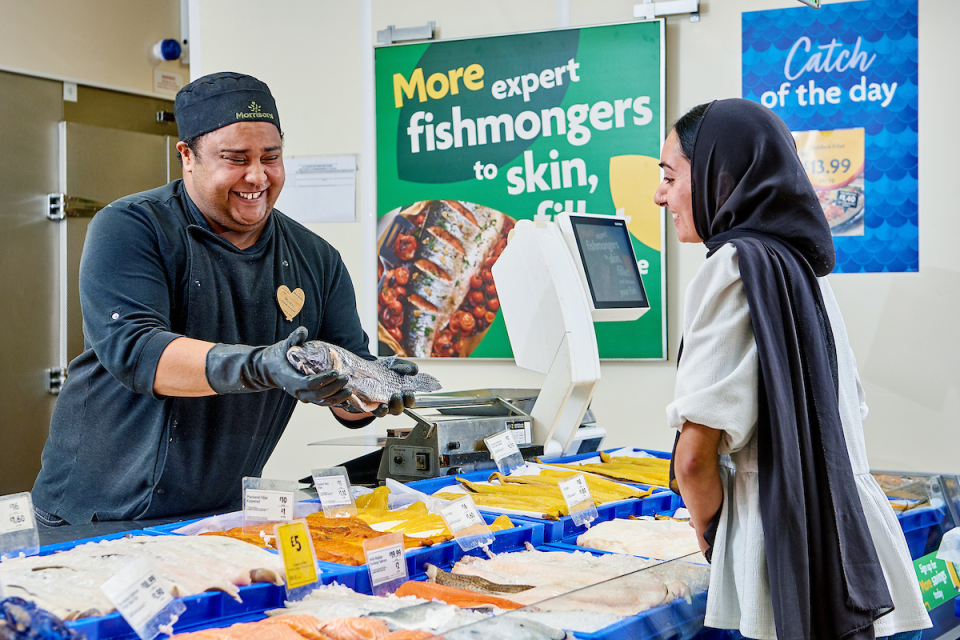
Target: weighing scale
554 280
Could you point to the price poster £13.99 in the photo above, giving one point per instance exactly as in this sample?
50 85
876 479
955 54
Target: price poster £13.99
844 79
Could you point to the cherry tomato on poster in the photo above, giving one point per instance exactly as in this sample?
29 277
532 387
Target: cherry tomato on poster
387 295
455 323
467 322
476 297
443 345
490 316
476 281
479 312
493 304
486 275
392 315
405 247
395 332
490 289
402 274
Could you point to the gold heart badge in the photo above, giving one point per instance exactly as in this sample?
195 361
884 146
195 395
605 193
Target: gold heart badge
291 302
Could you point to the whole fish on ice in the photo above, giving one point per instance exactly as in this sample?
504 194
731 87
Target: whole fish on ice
371 381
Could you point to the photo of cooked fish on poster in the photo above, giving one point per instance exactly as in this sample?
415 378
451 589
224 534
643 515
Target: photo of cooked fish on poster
834 162
474 135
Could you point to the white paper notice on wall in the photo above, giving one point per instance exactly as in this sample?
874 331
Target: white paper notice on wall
320 189
167 83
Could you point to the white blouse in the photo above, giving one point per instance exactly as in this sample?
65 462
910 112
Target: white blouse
717 387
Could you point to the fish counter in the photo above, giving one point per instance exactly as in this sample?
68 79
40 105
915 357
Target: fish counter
525 584
634 571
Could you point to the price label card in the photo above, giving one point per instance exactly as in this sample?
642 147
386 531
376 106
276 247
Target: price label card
267 506
466 524
18 526
333 488
142 598
16 514
580 503
502 445
504 451
385 562
299 558
268 501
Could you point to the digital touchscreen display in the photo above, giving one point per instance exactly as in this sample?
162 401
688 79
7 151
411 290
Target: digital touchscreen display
609 262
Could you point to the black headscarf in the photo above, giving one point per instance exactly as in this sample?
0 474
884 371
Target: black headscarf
749 188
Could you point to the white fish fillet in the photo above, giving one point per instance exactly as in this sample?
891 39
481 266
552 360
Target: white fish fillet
68 583
663 539
566 576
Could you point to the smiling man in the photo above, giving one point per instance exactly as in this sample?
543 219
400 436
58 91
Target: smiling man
191 295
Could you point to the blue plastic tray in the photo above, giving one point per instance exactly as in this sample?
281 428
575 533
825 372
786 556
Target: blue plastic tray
917 525
660 502
204 610
672 621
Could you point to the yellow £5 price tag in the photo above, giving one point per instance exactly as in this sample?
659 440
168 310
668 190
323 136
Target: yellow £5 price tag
296 549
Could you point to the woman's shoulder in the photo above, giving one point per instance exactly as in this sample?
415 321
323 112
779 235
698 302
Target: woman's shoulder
718 272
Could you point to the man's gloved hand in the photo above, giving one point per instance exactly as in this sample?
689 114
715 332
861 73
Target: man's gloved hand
398 401
238 368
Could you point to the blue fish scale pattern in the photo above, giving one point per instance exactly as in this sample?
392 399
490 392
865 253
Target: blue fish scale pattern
887 28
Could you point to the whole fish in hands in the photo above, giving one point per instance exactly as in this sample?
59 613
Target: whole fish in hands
371 382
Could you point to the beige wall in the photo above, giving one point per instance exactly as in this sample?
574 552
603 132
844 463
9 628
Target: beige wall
901 325
105 43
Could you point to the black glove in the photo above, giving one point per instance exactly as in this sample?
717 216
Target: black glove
398 401
238 368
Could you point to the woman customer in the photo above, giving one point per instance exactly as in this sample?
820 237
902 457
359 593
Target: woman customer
770 456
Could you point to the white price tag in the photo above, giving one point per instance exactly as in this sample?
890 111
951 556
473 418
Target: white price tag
16 514
460 515
386 564
333 490
466 524
267 506
574 490
502 446
140 596
580 504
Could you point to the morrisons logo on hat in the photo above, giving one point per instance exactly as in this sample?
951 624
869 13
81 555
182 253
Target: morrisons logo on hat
254 112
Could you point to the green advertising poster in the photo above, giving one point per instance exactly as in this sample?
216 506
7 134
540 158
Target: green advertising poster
938 579
473 135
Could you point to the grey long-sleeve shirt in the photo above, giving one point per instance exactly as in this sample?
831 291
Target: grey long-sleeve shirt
152 270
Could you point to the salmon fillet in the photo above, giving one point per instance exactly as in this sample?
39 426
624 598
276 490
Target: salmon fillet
408 634
354 628
285 628
453 595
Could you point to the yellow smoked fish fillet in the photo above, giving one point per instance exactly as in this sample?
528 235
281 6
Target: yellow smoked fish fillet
662 463
550 509
621 473
602 489
337 540
599 483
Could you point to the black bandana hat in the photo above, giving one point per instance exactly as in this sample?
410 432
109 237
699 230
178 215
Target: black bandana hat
221 99
756 182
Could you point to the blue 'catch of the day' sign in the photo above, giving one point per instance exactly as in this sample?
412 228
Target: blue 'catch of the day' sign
844 79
